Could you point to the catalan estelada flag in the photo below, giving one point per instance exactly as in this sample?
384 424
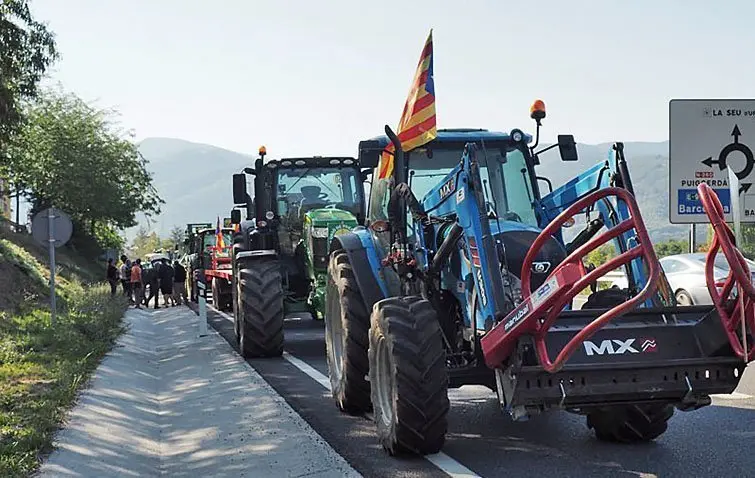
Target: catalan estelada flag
417 125
219 244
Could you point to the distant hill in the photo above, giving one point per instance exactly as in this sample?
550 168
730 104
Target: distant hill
184 171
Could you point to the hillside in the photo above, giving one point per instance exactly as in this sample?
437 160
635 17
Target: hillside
44 365
180 169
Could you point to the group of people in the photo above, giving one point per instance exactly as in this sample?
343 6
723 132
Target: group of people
136 280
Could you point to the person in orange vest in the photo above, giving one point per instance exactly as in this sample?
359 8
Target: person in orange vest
136 283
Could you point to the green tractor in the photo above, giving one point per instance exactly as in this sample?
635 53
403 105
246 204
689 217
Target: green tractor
280 253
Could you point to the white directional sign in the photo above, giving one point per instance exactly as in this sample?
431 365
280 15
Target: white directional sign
706 137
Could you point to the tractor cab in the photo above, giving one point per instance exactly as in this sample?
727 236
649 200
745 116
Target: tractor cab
299 205
509 188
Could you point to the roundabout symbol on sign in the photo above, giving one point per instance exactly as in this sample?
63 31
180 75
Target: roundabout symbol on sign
730 148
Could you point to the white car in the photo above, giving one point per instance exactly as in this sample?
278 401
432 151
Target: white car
686 276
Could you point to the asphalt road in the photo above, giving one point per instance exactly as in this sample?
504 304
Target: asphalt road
716 441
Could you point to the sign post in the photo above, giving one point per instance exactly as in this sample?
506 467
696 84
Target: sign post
202 297
52 228
711 141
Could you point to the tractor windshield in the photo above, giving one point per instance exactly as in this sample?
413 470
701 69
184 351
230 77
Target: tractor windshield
503 170
317 187
209 239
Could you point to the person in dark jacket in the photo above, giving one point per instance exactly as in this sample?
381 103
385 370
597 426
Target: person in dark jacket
179 284
112 277
151 279
166 282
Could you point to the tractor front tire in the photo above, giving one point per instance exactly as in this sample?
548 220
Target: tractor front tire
408 378
625 423
347 326
630 424
261 304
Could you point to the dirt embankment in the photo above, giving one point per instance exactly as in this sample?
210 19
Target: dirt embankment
25 271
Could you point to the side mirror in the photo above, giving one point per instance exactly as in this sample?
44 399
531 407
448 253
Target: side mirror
365 173
567 147
369 153
251 171
235 216
239 188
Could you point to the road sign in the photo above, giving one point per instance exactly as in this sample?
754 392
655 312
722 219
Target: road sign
53 228
706 138
62 228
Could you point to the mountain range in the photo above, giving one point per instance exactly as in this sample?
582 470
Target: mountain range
195 180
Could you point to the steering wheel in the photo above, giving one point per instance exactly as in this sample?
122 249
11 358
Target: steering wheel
739 274
511 216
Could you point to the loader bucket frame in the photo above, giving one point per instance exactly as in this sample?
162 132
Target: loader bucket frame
543 306
737 315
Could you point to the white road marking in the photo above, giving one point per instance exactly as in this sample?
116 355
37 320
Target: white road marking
308 369
445 463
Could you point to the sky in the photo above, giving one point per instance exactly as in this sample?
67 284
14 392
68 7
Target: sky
315 77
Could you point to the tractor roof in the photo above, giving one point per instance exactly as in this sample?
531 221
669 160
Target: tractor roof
313 161
461 135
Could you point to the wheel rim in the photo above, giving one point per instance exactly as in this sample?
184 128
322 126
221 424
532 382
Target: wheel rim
383 384
334 328
683 299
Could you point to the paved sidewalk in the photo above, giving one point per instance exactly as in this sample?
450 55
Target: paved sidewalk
165 402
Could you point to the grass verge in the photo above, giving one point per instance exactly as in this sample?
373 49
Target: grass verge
42 368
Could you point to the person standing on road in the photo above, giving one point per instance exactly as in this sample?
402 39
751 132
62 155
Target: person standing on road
126 277
151 279
112 277
136 282
179 284
166 282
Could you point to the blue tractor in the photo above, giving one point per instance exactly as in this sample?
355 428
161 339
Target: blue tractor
461 275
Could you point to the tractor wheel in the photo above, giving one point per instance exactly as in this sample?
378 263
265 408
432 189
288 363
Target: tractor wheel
626 423
236 309
261 304
630 424
215 294
347 326
408 378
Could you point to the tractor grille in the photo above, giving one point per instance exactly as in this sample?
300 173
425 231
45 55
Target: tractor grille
320 252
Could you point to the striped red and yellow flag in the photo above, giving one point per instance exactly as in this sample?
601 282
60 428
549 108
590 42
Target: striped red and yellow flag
417 125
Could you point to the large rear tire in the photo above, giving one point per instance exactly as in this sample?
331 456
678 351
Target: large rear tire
625 423
408 378
347 325
261 304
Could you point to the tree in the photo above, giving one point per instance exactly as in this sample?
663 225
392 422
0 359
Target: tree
145 242
174 239
27 49
671 247
601 255
68 154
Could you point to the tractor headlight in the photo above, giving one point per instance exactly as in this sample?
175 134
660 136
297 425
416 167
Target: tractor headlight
320 232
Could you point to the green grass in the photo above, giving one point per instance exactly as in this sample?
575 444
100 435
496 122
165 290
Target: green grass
42 368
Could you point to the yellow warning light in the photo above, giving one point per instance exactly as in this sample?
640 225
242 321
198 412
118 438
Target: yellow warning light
263 150
537 110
